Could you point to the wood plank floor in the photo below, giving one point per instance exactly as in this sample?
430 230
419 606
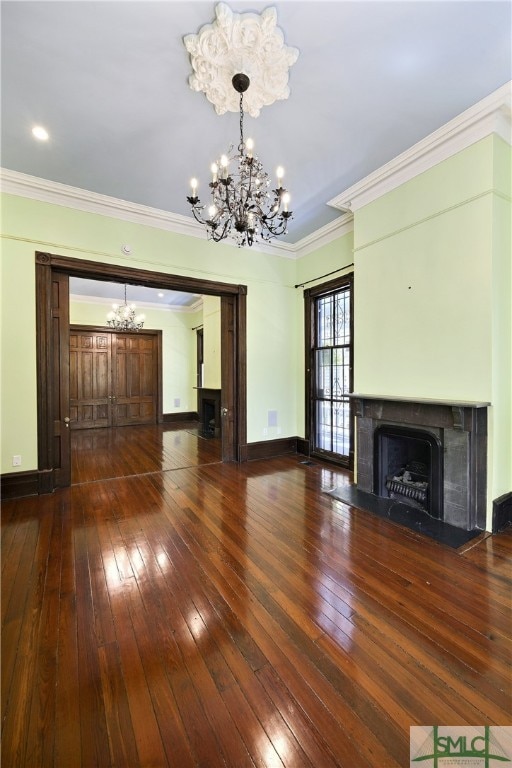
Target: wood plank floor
225 615
101 454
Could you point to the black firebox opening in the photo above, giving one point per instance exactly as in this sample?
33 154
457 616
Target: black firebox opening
408 467
208 423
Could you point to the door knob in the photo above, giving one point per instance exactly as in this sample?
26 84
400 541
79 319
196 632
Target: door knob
66 421
223 411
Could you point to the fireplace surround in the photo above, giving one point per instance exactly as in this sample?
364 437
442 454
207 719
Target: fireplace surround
454 437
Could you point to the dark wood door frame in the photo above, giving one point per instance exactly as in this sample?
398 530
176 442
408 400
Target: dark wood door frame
233 336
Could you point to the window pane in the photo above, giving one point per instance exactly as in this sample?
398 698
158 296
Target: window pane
323 373
325 321
342 310
323 426
341 372
341 427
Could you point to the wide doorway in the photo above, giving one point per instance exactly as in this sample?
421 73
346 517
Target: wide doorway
53 356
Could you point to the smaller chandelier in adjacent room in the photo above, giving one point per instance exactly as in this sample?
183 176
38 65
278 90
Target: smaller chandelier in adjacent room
241 204
123 318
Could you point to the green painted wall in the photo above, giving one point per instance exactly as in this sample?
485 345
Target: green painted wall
423 296
18 404
432 284
211 342
178 348
500 459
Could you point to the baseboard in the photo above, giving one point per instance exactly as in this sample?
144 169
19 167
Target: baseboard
168 418
501 512
303 446
15 485
267 449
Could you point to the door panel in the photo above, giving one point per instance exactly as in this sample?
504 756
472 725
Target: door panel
113 379
89 379
134 379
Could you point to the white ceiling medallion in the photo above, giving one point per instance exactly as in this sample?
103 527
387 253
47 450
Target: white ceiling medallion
240 42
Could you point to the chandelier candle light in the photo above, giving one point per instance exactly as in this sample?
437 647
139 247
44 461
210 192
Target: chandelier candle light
241 204
123 317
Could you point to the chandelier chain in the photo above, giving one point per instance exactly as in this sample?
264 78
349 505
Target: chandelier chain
241 145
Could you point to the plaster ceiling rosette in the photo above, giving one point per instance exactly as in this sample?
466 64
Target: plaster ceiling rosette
247 43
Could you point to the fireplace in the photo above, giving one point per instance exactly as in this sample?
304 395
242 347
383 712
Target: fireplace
208 418
408 467
208 408
425 453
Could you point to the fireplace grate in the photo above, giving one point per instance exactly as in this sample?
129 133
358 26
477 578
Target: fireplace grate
410 482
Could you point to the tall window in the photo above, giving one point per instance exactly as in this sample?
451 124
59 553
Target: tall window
329 378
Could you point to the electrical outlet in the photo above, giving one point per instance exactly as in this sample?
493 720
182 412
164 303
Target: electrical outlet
177 402
272 419
265 431
16 461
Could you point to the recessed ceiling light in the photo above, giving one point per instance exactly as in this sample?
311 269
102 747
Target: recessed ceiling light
160 295
40 133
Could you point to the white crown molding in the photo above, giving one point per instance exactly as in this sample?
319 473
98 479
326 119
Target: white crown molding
46 191
491 115
325 235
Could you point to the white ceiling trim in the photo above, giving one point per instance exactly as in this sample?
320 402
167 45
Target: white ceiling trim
46 191
54 192
325 235
80 298
491 115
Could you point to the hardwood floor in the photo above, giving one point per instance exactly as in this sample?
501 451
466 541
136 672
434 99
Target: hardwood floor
235 615
100 454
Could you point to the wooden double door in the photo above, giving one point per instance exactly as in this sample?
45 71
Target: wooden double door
113 378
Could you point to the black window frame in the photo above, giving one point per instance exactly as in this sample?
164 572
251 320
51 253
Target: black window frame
311 296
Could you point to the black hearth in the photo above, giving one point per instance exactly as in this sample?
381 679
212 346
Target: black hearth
408 467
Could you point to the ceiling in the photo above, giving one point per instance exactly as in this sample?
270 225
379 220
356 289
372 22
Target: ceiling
108 293
109 81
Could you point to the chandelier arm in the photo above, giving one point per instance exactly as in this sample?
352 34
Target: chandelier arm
197 215
217 237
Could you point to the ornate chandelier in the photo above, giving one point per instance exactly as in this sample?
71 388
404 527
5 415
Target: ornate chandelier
241 204
123 318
